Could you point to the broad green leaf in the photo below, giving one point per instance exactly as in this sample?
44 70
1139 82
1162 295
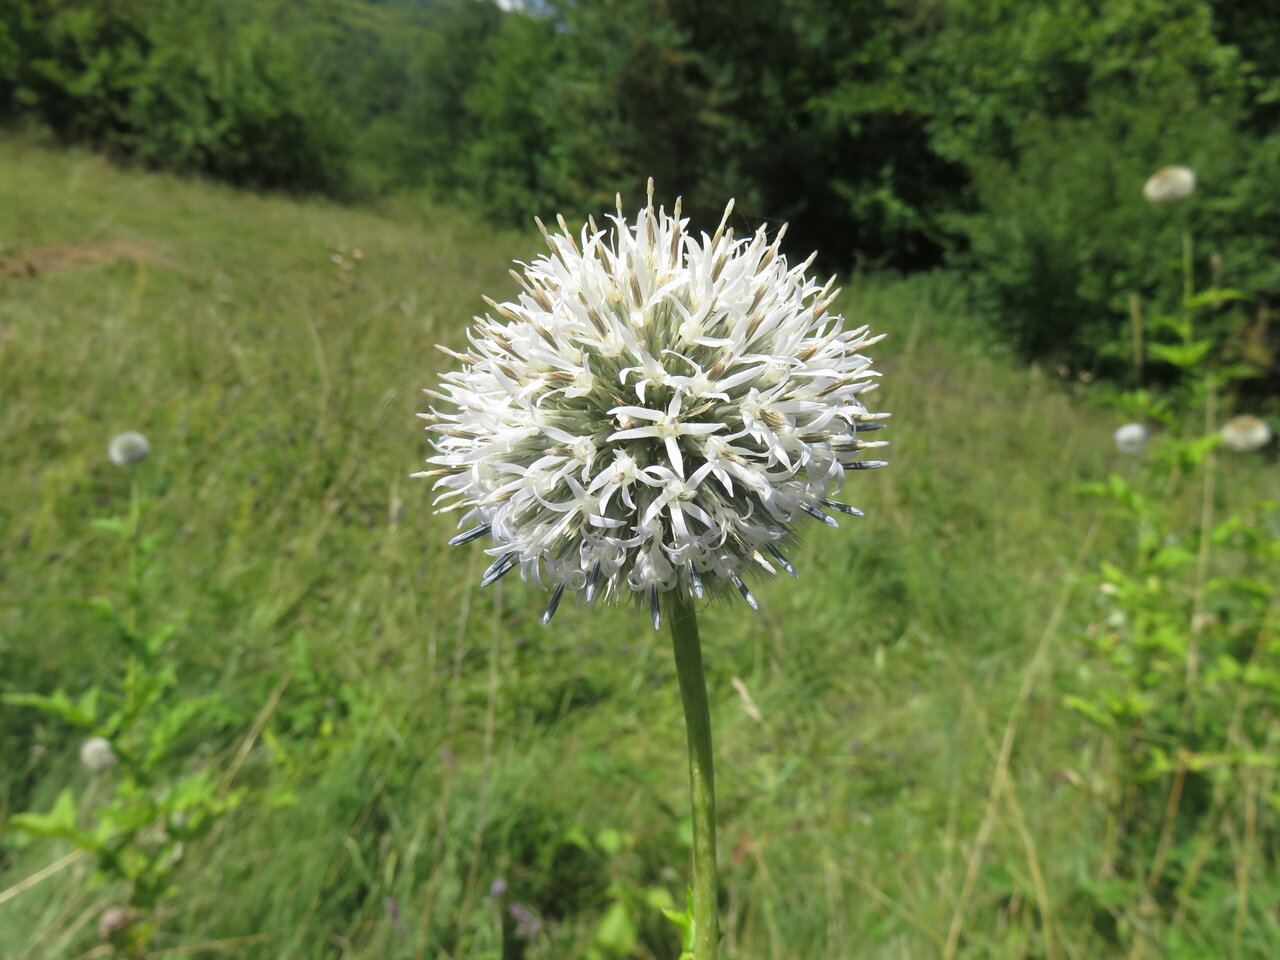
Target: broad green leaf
1214 296
59 704
1089 709
1180 355
659 898
59 822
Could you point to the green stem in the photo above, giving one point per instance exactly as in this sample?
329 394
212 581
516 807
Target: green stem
135 581
1135 330
697 719
1188 283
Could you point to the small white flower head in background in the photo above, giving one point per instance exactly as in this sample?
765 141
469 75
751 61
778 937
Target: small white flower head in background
1245 434
1169 185
96 754
115 921
656 411
1132 439
128 448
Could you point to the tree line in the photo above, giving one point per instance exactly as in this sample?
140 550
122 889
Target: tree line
1005 139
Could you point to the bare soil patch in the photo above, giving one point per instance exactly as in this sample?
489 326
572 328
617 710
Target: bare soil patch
35 261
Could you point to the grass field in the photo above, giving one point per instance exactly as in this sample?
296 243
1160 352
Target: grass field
898 775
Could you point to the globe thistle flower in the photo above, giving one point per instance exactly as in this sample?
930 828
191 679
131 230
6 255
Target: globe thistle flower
655 412
1132 439
128 448
1169 185
1245 434
96 754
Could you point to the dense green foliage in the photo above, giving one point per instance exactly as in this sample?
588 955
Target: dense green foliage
1060 238
968 730
1008 138
180 85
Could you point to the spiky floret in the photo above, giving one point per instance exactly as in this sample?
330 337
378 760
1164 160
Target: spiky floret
654 411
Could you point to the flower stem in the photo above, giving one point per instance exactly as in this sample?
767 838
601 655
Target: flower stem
697 719
135 581
1188 282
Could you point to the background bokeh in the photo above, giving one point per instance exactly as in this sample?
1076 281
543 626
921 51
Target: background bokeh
997 137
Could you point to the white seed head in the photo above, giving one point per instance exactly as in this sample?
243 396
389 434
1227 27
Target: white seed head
1245 434
654 412
1132 439
1169 185
96 754
128 448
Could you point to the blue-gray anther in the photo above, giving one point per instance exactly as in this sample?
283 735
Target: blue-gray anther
593 581
475 533
782 561
695 581
499 569
551 607
742 589
843 508
818 515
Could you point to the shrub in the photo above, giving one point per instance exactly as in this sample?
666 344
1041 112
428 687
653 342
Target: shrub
173 84
1065 239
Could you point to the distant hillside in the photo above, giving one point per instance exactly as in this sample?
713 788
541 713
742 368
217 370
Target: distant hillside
1009 141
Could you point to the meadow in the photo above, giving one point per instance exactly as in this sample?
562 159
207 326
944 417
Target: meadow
375 741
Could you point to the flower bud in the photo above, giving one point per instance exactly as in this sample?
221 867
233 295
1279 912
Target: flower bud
1245 434
96 754
1132 439
1169 185
128 448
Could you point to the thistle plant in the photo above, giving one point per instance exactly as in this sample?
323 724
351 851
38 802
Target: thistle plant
651 418
96 754
137 804
1180 678
1246 434
1169 185
128 448
1131 439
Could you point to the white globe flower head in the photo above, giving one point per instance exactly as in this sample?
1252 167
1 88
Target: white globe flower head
96 754
1245 434
1169 185
1132 439
655 412
128 448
